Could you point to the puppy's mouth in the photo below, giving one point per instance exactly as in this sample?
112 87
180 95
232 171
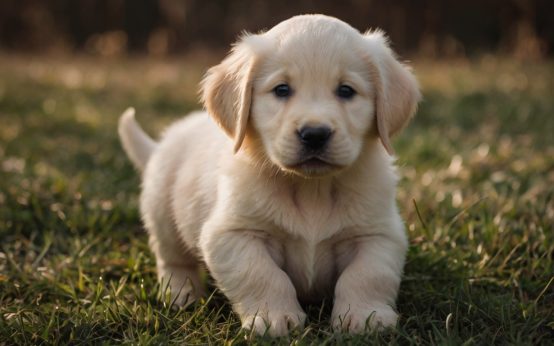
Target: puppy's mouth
313 167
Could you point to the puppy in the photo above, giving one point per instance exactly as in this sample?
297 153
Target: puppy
294 200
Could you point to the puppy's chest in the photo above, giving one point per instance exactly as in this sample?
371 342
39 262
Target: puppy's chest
312 226
313 267
310 212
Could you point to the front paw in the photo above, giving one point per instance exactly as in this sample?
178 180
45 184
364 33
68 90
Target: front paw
356 318
276 322
180 290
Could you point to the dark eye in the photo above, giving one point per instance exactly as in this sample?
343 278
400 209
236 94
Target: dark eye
282 90
345 92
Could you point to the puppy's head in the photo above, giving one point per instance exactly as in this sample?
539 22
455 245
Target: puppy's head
313 91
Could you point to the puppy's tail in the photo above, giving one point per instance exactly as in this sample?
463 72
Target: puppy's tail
137 144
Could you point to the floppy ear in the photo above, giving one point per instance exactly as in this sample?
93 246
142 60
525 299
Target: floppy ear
396 89
227 89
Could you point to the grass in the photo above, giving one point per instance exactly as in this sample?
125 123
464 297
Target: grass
477 195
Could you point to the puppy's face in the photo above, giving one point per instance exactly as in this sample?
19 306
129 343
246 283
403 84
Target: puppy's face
314 90
313 99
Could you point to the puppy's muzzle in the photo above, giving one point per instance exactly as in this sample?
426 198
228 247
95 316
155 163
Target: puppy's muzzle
314 138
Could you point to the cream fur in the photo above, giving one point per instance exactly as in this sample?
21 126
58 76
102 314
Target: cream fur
272 230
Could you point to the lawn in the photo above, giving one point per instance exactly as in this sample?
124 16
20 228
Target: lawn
477 196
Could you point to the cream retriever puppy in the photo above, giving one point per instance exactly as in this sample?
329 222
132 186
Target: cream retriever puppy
294 200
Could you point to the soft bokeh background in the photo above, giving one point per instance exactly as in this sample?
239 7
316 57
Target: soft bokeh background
429 27
476 166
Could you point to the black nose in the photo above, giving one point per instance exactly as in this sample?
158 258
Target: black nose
314 137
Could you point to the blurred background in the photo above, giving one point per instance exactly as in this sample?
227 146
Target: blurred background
432 28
